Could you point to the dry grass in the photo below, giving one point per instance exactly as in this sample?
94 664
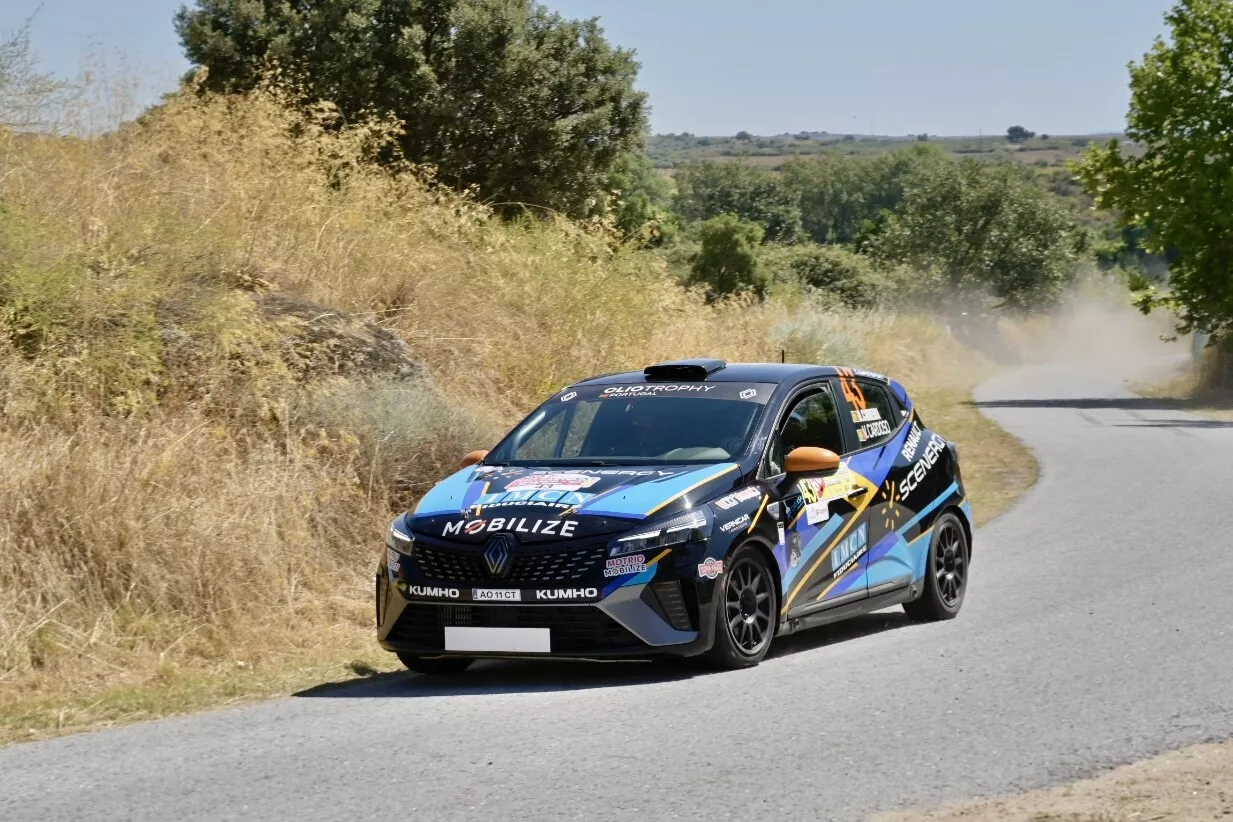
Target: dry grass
1181 786
183 519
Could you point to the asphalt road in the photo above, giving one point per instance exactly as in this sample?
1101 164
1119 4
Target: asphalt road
1098 630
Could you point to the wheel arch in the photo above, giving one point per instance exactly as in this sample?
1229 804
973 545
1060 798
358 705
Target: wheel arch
966 523
768 555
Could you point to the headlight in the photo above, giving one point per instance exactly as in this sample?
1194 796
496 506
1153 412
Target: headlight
399 539
694 526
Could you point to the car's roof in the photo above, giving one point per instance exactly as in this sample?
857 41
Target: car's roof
771 372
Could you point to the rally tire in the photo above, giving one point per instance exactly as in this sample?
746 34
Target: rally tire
946 573
746 610
435 666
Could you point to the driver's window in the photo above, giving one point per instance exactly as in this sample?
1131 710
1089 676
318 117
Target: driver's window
813 421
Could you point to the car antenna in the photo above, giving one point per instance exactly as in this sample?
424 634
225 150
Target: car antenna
783 355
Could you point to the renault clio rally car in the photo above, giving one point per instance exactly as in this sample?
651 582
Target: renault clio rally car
695 507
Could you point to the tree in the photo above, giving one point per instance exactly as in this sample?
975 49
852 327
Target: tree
744 135
504 95
976 231
26 95
1019 134
640 201
838 273
1181 188
838 194
727 261
706 190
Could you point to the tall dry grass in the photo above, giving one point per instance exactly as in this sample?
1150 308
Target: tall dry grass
159 510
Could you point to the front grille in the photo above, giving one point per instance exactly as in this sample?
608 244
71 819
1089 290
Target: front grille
466 564
575 629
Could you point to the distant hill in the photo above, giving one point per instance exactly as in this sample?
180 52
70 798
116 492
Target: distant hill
671 150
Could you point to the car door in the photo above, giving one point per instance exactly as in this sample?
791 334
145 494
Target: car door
878 423
823 540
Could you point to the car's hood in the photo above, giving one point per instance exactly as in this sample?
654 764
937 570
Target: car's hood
543 504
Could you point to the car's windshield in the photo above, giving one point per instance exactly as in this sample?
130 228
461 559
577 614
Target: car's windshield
642 423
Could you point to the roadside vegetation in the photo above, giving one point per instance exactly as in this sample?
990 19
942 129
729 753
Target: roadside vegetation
240 332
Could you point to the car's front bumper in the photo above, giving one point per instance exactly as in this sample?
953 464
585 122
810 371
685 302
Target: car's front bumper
658 617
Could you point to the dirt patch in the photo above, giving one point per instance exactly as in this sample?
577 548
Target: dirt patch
1192 784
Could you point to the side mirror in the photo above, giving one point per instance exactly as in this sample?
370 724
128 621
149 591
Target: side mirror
474 457
807 460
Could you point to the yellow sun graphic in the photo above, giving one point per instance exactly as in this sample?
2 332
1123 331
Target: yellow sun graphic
893 511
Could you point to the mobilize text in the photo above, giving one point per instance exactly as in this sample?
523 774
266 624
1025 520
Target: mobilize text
515 525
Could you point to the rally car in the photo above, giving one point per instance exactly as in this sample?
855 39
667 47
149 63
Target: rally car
694 507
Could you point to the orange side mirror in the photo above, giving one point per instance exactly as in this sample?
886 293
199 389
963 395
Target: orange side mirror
472 458
807 460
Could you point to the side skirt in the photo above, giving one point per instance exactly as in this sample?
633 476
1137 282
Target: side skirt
878 599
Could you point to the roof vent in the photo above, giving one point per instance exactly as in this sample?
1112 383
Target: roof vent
683 369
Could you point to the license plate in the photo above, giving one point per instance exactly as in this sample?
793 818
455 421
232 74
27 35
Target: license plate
496 595
498 640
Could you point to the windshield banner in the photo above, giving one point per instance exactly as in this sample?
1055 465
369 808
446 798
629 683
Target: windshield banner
748 391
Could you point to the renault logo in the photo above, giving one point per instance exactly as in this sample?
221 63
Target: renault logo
497 556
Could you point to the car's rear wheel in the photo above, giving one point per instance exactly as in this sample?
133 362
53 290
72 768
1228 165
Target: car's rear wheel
436 666
746 610
946 575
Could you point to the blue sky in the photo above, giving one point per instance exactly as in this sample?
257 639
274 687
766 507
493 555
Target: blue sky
719 66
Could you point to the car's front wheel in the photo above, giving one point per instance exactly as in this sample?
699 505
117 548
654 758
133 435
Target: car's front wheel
746 610
946 575
435 666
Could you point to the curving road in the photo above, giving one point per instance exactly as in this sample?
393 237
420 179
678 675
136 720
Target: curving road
1099 630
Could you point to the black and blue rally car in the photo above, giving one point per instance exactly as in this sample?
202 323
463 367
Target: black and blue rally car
694 507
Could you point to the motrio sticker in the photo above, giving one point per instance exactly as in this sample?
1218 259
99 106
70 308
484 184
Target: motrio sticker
621 566
514 525
711 568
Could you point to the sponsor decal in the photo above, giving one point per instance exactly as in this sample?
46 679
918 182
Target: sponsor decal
911 443
740 522
918 471
873 430
816 512
711 568
794 549
572 395
871 375
749 393
866 415
839 485
568 593
392 560
496 595
621 472
850 550
552 482
737 497
620 566
893 512
529 498
515 525
432 593
811 489
655 390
